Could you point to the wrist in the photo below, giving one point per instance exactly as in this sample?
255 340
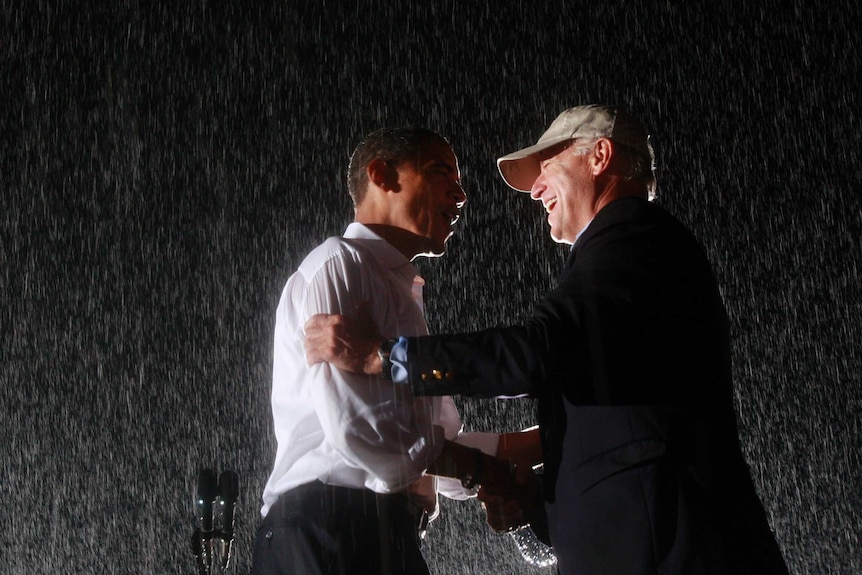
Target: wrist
473 476
383 352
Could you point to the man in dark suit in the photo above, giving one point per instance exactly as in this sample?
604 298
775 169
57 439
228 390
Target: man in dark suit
629 357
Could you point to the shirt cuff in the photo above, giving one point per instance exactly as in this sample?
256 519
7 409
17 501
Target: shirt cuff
398 357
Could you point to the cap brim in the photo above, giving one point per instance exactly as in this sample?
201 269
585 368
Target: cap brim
520 169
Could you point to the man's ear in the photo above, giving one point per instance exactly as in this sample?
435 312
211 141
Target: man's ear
603 153
383 174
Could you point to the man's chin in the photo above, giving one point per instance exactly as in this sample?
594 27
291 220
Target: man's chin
433 251
437 251
559 239
438 247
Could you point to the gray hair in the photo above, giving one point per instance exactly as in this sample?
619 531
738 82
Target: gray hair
640 167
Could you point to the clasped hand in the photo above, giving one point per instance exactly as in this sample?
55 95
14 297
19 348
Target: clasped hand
511 497
513 502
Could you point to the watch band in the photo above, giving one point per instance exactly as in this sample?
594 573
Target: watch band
474 477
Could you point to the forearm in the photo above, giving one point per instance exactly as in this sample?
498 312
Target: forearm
377 427
469 465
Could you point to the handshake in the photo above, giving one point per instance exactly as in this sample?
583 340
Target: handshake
511 497
509 489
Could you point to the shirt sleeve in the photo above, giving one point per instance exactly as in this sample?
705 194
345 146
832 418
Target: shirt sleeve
375 426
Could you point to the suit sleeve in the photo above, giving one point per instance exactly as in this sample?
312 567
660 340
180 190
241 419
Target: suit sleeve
566 326
503 361
630 303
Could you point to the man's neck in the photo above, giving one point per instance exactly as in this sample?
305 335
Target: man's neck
618 188
402 240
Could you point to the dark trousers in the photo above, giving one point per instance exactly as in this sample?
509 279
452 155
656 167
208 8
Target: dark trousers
318 529
656 519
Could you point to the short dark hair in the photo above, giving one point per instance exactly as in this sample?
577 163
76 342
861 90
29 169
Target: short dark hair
390 144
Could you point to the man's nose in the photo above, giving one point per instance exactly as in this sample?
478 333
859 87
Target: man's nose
538 188
459 194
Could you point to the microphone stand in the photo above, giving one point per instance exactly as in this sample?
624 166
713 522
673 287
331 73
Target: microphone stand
214 504
228 483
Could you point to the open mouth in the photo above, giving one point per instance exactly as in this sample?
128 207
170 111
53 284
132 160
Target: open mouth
550 205
453 217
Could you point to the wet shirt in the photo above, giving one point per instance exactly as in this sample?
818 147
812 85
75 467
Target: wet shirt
349 429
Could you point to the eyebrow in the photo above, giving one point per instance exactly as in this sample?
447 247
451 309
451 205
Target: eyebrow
442 164
553 151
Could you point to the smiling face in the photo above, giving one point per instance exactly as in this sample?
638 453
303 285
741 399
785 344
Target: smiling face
430 196
566 188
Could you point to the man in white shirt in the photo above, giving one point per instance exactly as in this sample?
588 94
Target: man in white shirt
348 490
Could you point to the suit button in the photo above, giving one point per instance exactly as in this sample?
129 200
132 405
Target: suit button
437 374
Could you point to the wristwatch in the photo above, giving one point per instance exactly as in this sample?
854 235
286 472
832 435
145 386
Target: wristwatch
383 351
474 477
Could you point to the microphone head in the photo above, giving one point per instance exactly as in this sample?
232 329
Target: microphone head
228 485
207 491
226 502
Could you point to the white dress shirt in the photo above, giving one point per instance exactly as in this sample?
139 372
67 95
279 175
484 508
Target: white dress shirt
347 429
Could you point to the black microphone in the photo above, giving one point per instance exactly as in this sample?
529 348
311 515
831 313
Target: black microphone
205 496
228 483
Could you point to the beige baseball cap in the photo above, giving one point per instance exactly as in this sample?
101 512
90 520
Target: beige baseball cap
520 169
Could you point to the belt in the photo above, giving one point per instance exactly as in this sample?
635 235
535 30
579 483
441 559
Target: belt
294 500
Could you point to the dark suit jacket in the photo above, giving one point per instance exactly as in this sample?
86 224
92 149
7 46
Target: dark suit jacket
629 357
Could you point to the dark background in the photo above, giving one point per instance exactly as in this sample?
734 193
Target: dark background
166 167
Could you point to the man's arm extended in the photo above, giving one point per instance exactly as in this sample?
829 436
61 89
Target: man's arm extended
340 341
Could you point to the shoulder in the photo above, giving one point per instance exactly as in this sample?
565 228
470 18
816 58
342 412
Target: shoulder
634 219
334 253
632 209
636 236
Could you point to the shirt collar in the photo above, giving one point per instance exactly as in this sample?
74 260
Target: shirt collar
385 253
580 233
